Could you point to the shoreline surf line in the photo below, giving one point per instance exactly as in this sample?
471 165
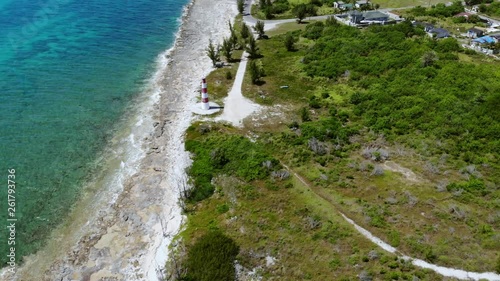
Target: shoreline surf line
129 241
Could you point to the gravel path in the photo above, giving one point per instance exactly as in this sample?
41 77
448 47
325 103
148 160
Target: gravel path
237 107
445 271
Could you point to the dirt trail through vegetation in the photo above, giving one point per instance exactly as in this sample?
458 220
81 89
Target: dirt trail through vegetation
445 271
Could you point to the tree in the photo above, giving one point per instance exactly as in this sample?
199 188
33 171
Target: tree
252 49
245 31
259 28
227 49
262 4
233 39
256 71
429 58
289 42
212 258
474 19
241 6
331 21
304 114
213 52
483 8
268 12
300 12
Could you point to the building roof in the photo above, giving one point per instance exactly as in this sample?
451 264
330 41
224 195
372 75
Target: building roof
484 39
440 32
354 13
374 15
475 30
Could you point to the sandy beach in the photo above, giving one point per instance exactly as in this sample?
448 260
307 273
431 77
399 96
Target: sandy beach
122 227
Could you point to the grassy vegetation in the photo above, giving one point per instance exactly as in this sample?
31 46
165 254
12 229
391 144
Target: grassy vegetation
284 219
219 82
221 79
288 9
406 3
394 129
448 209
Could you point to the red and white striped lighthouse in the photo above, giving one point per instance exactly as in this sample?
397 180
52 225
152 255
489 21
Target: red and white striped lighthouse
204 95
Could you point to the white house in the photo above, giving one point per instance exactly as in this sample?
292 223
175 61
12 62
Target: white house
362 3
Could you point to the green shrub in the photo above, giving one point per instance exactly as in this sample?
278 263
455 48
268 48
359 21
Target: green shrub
304 114
314 30
221 209
394 238
212 258
289 42
473 186
225 154
314 102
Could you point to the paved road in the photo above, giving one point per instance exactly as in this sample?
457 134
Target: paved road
249 19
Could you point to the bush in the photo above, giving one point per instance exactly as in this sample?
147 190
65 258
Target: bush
224 154
279 8
313 30
212 258
304 114
256 71
473 186
314 102
221 209
289 42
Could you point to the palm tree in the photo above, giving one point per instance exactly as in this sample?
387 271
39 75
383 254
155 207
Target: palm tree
252 49
259 28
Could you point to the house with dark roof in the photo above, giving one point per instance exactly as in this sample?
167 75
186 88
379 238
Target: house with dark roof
427 26
438 33
369 17
355 16
362 3
343 6
496 36
375 17
474 33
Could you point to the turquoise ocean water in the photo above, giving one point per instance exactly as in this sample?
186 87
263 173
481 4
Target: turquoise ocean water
68 72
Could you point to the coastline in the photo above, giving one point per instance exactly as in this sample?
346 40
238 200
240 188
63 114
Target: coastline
126 229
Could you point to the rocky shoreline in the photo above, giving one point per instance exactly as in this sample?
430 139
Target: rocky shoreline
129 238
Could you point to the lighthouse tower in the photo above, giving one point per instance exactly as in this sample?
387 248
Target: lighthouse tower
205 107
204 95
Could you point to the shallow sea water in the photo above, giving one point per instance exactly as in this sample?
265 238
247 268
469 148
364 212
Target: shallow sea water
68 73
